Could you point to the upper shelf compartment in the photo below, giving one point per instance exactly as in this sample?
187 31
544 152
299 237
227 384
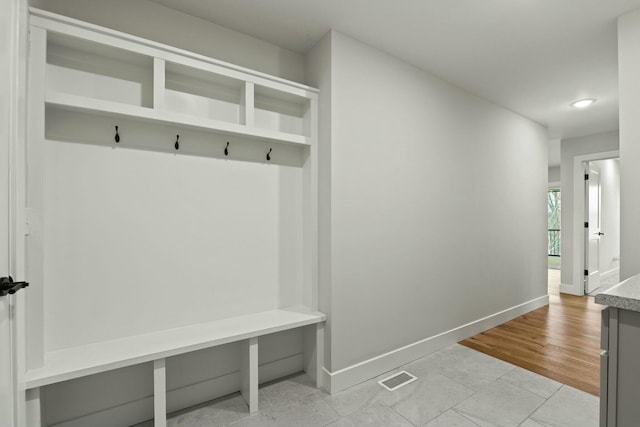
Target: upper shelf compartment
281 111
204 94
93 70
98 71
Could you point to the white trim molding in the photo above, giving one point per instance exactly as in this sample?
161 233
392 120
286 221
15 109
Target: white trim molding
342 379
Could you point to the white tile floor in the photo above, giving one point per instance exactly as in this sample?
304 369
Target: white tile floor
456 387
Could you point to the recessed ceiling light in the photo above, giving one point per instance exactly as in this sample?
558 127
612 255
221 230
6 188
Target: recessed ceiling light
583 103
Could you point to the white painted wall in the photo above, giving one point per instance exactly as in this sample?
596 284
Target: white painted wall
437 211
554 176
609 214
138 241
153 21
571 217
318 67
629 90
554 152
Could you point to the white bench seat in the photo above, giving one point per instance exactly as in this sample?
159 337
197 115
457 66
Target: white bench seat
70 363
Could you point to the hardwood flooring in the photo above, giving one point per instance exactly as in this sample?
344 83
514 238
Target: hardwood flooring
560 341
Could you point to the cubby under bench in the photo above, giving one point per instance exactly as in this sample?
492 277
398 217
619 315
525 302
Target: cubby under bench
155 347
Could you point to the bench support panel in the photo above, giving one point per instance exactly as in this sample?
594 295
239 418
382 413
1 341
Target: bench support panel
249 373
34 408
314 352
160 393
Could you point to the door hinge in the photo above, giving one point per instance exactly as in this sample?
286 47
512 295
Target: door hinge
586 176
586 272
586 225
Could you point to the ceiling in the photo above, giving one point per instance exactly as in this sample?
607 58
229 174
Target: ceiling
533 57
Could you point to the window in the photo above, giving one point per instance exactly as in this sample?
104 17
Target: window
553 211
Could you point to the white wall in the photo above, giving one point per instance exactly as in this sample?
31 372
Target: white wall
554 151
609 214
150 20
629 90
554 176
319 75
572 258
138 241
437 206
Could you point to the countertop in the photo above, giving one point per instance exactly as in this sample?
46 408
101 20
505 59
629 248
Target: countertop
625 295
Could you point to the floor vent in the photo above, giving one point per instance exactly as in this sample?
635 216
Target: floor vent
398 380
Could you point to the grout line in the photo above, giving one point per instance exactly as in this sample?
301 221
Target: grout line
402 416
333 409
560 388
464 416
544 400
531 391
537 407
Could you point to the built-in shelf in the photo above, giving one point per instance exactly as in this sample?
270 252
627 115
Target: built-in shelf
113 74
70 363
94 85
144 114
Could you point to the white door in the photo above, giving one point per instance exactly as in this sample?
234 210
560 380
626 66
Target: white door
592 232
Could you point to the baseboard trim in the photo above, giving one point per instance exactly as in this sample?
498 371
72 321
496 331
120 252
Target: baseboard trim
579 290
570 289
342 379
141 410
613 271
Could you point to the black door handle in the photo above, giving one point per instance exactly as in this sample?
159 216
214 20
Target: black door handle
8 286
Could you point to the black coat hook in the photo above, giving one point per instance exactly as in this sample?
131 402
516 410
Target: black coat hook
117 138
177 144
269 154
226 149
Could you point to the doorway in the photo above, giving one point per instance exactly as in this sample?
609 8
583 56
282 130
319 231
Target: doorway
553 239
602 225
554 236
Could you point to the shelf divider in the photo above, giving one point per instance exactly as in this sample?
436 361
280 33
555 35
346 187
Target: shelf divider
247 110
158 83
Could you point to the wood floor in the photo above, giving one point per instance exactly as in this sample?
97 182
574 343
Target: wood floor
560 341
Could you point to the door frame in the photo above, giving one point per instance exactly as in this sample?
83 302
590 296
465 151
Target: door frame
578 243
588 170
17 130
